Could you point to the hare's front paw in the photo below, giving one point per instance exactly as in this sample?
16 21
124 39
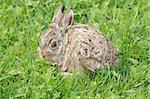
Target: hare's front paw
66 74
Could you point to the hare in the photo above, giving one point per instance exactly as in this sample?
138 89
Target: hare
75 47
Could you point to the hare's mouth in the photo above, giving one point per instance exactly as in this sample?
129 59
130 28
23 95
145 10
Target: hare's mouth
43 54
47 56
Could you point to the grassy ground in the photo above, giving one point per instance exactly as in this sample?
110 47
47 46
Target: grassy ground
125 22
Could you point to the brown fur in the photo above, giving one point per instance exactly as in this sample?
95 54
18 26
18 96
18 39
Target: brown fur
76 47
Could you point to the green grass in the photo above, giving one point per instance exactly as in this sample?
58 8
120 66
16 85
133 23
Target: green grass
23 75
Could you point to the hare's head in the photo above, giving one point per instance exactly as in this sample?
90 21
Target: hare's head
51 40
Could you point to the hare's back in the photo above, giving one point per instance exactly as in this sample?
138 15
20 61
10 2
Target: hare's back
87 34
91 43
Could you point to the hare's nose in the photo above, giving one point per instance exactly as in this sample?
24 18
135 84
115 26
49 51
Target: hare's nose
42 43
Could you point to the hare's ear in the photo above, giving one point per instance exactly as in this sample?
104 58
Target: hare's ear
58 14
67 18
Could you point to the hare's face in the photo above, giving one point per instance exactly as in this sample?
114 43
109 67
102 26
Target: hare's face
51 42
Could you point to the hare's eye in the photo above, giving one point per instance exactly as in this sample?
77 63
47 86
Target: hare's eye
54 45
